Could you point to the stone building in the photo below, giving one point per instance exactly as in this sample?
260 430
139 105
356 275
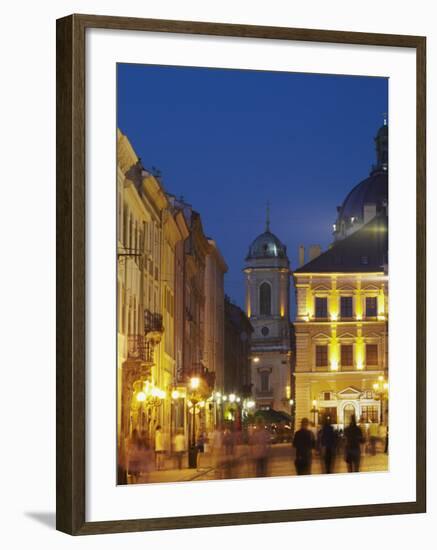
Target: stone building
199 318
342 311
147 234
237 350
267 278
215 270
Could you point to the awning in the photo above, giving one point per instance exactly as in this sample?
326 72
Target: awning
270 416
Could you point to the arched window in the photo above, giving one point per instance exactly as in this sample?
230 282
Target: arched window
265 299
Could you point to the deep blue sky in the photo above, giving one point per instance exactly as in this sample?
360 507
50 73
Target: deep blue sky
231 140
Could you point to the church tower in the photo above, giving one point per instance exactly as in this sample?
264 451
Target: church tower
267 277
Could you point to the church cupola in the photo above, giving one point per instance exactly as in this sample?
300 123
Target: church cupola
370 196
267 245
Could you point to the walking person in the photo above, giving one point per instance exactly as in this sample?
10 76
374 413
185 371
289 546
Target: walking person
159 448
328 444
179 447
304 443
354 438
260 449
228 458
134 450
216 448
373 437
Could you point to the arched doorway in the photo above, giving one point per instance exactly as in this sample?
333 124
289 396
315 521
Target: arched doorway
348 412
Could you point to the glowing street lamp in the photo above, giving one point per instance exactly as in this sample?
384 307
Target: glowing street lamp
381 390
141 396
315 411
195 402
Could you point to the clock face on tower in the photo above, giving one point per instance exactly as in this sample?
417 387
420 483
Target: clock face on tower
265 331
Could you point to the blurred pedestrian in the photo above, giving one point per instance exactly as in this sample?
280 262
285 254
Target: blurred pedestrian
228 459
201 443
179 447
159 448
216 447
134 450
373 437
328 444
354 438
260 448
304 443
228 442
313 429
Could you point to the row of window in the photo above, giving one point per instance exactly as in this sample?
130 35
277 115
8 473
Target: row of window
139 236
346 355
369 413
331 396
346 307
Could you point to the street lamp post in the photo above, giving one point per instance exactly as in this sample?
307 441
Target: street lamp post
192 451
381 390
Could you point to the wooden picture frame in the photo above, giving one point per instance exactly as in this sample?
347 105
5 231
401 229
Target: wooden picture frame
71 283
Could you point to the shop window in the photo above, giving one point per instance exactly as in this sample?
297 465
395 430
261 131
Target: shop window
369 413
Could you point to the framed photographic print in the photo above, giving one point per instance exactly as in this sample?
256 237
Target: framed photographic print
240 274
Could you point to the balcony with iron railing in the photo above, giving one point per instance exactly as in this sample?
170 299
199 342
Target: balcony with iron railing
139 348
152 322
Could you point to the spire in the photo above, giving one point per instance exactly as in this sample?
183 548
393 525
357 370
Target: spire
268 216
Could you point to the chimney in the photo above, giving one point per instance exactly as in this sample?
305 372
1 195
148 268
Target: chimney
314 251
301 255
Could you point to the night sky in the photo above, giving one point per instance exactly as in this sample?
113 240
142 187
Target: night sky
228 141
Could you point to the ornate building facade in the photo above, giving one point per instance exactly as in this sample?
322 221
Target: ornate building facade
141 203
237 348
215 270
342 311
267 281
199 317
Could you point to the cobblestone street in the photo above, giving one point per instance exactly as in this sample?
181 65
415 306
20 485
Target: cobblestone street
281 463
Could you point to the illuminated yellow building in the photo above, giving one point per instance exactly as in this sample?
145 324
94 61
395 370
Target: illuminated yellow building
147 234
342 310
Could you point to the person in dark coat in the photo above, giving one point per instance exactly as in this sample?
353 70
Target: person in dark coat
354 438
328 444
303 442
